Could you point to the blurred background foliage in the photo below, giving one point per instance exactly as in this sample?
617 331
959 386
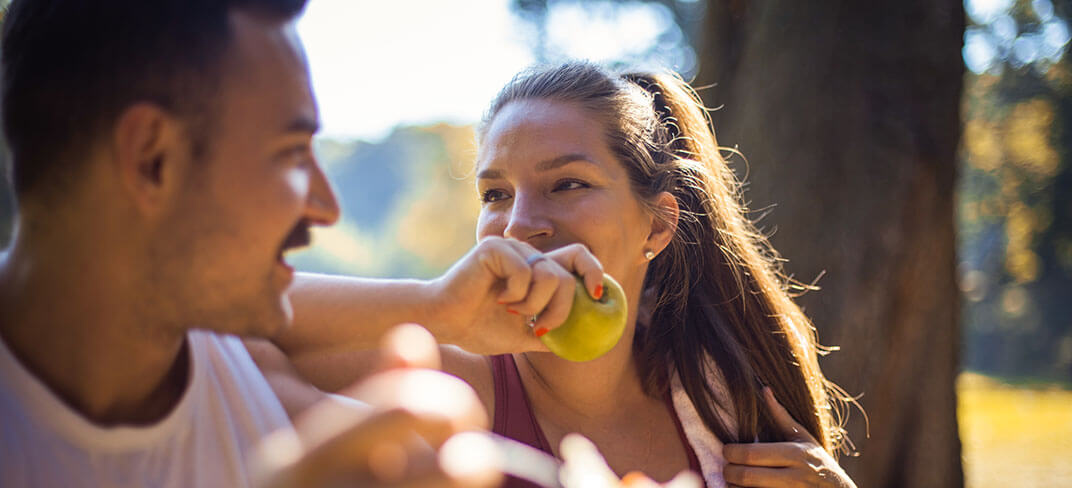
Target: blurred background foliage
1015 192
409 203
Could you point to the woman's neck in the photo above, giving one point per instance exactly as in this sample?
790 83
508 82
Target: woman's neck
605 401
595 388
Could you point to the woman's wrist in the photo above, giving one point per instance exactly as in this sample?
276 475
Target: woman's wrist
429 309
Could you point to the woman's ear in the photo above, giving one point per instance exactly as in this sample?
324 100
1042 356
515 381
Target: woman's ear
663 223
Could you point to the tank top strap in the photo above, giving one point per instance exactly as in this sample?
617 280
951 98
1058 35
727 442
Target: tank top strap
513 412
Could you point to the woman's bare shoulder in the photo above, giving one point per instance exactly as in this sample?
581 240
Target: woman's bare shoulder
475 370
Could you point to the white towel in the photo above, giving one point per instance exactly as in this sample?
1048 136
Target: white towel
704 443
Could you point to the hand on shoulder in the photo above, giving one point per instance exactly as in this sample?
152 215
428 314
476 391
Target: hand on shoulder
801 461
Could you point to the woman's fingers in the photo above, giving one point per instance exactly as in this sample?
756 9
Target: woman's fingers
580 261
544 280
558 307
506 262
752 476
766 454
799 462
789 426
540 285
797 451
552 285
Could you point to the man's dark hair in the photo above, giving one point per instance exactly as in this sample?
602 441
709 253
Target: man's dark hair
70 68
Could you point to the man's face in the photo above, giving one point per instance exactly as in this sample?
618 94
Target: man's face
254 193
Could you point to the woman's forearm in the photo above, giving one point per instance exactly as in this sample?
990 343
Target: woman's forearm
339 321
480 305
341 313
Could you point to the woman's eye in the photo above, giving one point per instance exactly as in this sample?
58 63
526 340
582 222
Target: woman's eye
489 196
570 185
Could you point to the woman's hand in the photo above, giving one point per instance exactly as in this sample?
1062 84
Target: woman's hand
485 302
801 461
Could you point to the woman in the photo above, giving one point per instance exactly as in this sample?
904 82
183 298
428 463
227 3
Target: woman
629 168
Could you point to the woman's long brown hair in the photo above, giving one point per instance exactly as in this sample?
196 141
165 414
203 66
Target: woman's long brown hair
717 289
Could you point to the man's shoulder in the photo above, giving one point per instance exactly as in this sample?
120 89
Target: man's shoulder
224 373
220 356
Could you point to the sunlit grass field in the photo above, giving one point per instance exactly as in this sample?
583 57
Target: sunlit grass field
1014 436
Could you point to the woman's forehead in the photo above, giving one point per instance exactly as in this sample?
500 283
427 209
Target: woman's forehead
540 130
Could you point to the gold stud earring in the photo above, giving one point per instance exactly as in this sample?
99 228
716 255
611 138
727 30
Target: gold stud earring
649 255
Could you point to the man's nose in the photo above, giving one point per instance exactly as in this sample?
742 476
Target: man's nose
528 219
322 207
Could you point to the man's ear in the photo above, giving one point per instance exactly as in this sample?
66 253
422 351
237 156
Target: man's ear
663 223
150 153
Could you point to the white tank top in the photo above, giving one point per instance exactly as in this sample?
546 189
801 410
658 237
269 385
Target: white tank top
227 407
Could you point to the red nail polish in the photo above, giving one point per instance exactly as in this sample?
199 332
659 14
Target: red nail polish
515 312
599 291
541 331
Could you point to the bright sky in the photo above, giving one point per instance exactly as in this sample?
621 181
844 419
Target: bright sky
379 64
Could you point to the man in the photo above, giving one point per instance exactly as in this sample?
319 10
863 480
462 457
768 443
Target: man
162 165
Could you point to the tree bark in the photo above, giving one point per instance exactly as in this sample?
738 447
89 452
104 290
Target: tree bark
848 115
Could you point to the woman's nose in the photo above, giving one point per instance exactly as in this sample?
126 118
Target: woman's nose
529 219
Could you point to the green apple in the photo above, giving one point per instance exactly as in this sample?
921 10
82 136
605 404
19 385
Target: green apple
593 326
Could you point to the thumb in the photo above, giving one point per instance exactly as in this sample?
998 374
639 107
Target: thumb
785 422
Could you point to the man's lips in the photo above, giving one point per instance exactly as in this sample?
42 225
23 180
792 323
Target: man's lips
298 238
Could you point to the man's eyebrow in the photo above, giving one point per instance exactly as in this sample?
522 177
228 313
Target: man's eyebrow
302 124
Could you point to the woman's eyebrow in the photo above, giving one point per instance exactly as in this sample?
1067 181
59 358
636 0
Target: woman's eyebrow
546 165
563 160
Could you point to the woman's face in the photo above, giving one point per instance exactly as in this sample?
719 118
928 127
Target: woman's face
546 176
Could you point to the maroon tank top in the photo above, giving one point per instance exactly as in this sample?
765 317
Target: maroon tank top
514 417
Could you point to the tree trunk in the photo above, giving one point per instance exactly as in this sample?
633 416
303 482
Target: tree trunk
848 115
